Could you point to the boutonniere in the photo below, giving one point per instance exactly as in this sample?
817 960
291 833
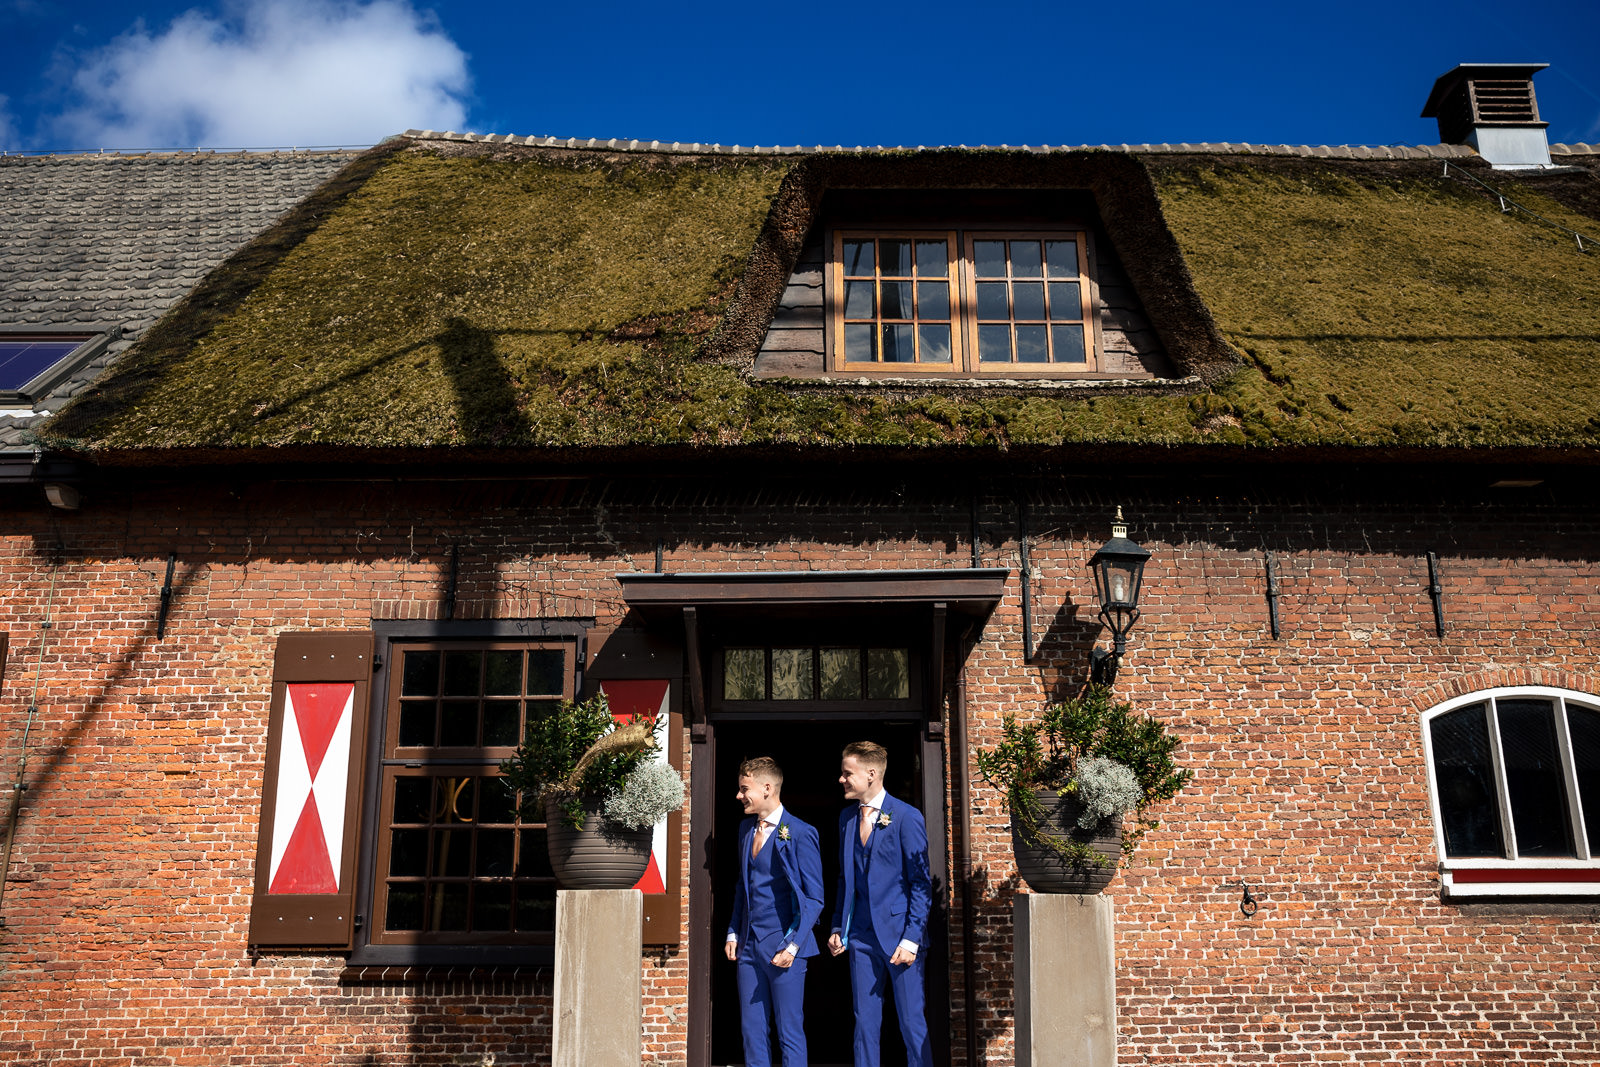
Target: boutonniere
783 832
884 818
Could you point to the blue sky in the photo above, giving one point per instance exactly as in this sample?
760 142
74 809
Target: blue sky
269 73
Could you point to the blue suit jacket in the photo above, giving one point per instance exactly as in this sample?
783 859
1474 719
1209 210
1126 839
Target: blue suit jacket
899 890
796 883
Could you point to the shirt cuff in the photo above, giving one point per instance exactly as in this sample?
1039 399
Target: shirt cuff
909 945
793 950
733 938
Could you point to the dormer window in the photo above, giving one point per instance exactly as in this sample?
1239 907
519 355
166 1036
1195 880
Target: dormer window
967 302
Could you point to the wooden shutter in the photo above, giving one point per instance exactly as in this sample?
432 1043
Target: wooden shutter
311 791
640 674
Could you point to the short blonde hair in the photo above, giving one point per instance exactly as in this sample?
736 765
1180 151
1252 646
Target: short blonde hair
762 767
868 754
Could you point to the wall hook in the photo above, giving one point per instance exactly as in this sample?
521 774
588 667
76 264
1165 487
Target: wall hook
1247 903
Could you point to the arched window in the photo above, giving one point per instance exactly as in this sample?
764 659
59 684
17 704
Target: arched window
1515 782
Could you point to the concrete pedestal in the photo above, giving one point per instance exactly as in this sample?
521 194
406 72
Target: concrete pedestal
1066 997
598 1007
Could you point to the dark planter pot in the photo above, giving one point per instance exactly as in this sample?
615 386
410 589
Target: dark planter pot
585 858
1046 871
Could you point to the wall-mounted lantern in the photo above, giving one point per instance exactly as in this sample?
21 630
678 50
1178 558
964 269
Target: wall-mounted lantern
1118 571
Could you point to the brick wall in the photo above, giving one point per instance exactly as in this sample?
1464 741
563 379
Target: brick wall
127 903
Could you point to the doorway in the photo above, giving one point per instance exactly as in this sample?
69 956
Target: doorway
808 752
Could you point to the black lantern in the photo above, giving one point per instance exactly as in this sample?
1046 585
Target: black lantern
1118 571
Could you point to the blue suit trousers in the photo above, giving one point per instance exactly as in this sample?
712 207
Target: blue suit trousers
871 979
775 994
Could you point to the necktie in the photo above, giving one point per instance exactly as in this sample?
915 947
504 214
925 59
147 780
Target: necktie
759 838
866 822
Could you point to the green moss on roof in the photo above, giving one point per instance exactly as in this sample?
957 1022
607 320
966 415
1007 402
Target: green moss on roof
558 300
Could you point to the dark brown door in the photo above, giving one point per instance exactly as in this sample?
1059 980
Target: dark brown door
808 752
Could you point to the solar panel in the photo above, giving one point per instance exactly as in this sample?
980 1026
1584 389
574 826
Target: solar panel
22 359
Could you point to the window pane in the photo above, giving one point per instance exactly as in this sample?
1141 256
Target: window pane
1464 775
408 853
539 709
452 853
461 671
1068 342
458 725
1031 344
497 803
933 259
858 258
989 258
992 301
420 675
500 722
412 799
1584 725
454 799
1534 778
896 258
416 722
858 300
502 673
491 907
935 342
447 907
1062 257
405 908
994 344
1027 300
899 344
791 674
1025 262
1066 300
841 674
494 853
933 300
888 677
897 300
533 860
858 344
536 907
744 674
547 671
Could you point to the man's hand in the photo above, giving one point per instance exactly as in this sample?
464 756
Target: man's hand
835 944
901 956
783 959
731 950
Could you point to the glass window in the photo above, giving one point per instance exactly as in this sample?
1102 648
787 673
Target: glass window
33 362
833 673
456 862
1516 776
988 303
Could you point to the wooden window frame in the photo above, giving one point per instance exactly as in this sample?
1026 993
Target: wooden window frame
964 362
1512 875
375 945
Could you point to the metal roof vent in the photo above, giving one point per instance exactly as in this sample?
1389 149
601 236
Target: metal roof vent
1490 106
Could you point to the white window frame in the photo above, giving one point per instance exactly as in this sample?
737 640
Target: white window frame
1475 876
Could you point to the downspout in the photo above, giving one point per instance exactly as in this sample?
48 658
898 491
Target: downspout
969 964
20 785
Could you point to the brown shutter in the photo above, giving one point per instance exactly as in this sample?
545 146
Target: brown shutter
639 672
311 791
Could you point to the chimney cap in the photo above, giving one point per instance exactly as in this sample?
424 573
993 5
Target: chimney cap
1472 72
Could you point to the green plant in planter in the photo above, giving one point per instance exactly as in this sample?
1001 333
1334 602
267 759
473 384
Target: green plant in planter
1112 760
577 754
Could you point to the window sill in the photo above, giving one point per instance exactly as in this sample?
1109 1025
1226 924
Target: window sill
1469 879
447 958
850 380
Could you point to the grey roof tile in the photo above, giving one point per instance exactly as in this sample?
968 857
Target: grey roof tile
118 239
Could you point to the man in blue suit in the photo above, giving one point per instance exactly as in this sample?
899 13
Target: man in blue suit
882 910
776 902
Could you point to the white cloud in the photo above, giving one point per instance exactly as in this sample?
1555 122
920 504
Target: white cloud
270 73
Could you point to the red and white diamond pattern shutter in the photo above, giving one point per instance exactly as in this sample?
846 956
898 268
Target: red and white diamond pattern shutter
305 854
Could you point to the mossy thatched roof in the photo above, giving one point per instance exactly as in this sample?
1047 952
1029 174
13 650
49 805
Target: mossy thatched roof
440 299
